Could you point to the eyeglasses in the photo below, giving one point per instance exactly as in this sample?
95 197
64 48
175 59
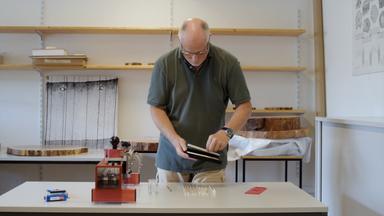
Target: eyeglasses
198 53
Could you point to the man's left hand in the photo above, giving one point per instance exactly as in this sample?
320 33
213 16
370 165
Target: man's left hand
217 141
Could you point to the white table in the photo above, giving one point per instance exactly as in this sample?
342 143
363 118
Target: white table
280 198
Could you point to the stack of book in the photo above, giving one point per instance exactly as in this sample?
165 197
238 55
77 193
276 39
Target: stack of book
52 57
199 153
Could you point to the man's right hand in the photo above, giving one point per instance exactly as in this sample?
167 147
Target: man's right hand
181 147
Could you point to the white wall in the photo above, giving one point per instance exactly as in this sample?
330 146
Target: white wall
351 161
347 95
267 89
351 168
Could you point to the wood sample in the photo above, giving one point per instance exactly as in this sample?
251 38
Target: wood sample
277 123
287 134
46 151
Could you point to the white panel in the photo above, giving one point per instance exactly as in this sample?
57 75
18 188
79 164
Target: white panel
20 12
16 48
272 89
242 13
352 163
347 95
20 108
134 118
131 13
251 50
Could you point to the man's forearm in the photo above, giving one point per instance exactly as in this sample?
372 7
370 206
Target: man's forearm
163 123
240 116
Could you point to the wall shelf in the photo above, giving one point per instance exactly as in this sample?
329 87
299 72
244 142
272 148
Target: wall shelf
131 30
142 67
273 68
16 67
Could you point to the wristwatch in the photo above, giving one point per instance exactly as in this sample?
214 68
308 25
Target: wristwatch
228 131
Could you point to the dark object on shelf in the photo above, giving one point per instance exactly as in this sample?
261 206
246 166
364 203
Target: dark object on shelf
234 107
133 63
125 144
278 108
147 145
115 142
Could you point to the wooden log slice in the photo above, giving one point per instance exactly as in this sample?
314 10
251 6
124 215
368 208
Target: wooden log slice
287 134
277 123
46 151
281 123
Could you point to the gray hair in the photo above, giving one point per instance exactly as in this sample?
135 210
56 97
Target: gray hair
204 26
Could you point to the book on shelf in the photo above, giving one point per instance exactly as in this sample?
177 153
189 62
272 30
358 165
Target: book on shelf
49 52
60 60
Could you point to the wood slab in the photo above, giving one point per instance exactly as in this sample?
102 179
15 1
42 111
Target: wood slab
287 134
46 151
277 123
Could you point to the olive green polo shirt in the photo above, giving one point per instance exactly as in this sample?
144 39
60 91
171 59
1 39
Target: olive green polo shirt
195 102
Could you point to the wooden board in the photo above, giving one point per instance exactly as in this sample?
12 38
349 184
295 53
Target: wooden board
46 151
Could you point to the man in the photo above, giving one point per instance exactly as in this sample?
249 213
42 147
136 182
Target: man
188 96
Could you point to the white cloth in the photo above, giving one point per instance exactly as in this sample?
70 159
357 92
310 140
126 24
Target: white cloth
240 146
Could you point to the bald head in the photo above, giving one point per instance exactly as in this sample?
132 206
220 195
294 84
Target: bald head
194 38
194 30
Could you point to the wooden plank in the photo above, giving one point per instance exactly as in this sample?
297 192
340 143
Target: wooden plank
16 66
273 68
257 32
320 98
294 111
141 30
119 67
83 30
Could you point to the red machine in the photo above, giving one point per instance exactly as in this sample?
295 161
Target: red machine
115 175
